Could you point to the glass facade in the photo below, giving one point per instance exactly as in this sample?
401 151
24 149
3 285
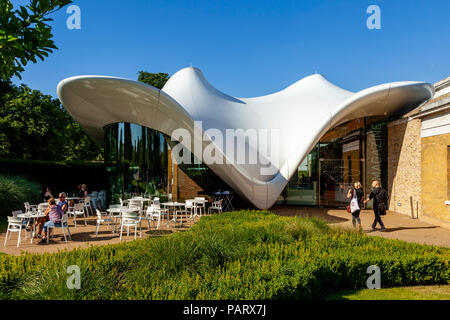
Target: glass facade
137 162
354 151
136 159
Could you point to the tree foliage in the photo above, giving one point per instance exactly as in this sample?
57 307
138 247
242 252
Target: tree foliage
36 126
25 34
157 80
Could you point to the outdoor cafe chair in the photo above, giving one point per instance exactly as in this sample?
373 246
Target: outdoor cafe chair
148 216
123 203
102 219
78 210
14 225
216 206
154 211
135 203
95 201
186 209
130 219
88 205
200 205
102 198
16 213
28 207
64 224
42 207
25 222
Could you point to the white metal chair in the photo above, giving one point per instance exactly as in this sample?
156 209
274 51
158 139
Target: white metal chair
88 206
42 207
29 207
115 215
155 211
25 222
78 210
123 202
102 198
199 203
95 201
148 216
129 219
102 219
16 213
187 210
136 204
216 206
64 224
14 225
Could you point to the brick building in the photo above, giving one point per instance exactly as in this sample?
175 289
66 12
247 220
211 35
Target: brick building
419 160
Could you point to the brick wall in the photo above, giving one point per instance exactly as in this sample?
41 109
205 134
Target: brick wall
435 179
404 167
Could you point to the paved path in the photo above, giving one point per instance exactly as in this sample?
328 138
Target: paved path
84 236
398 226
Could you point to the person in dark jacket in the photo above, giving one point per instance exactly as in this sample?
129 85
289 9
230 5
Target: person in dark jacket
379 196
357 191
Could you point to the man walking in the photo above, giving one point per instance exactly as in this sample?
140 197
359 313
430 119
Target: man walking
379 196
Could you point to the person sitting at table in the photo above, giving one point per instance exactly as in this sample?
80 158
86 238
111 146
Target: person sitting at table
42 220
54 214
83 191
63 204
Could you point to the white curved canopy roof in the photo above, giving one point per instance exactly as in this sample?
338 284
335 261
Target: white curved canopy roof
301 114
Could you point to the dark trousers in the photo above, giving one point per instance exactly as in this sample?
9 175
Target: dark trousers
377 218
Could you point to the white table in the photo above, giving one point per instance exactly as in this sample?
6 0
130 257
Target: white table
201 202
33 215
227 199
73 198
116 213
174 206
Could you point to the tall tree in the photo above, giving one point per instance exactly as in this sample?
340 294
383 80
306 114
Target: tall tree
157 80
36 126
25 34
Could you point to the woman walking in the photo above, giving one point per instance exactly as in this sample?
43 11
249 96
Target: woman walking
356 194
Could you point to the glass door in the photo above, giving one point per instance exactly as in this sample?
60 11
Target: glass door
336 177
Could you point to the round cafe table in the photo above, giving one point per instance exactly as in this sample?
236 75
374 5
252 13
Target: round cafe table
116 213
201 202
31 216
73 198
172 205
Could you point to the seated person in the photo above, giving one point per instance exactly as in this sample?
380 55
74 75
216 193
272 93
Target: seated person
53 216
83 191
63 204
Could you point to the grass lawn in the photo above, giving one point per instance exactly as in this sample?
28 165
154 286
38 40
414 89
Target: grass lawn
403 293
251 255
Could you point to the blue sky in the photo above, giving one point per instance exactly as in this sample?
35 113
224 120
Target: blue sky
251 48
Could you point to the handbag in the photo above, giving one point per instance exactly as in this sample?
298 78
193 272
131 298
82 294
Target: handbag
348 209
354 203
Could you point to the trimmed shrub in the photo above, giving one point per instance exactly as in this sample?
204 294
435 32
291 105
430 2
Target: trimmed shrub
238 255
60 176
14 191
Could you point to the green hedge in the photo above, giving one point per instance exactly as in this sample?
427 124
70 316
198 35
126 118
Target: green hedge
60 176
238 255
14 191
